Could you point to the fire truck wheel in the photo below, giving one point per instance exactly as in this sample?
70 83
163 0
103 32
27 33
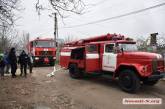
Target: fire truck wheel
75 72
129 81
150 83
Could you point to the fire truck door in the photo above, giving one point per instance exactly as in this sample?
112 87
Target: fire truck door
109 58
92 58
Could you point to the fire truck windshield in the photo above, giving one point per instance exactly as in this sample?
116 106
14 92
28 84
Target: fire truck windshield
44 44
128 47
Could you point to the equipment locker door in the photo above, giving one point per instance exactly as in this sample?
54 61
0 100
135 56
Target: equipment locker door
92 58
109 58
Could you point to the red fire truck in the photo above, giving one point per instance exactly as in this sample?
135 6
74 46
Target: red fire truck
43 51
114 55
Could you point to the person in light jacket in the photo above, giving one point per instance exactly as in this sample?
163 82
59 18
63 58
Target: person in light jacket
30 62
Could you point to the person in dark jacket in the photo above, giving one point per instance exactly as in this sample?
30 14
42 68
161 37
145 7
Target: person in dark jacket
13 61
2 65
23 61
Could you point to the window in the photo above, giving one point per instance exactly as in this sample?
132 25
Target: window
109 48
77 53
92 48
44 43
128 47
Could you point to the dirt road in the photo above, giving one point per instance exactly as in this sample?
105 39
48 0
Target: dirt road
38 91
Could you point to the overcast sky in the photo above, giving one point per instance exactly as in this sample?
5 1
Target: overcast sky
141 24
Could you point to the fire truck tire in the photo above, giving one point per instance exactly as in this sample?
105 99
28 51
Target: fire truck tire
75 72
150 83
129 81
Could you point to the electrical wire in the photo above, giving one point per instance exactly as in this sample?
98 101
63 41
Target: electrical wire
118 16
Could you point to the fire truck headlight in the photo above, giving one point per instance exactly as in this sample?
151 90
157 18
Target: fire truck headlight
54 57
36 58
144 68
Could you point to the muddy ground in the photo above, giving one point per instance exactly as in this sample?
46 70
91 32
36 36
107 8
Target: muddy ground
38 91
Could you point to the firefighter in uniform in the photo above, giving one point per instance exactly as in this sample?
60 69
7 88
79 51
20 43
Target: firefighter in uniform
23 61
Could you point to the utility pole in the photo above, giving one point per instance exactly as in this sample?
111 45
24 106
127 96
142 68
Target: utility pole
55 43
55 28
56 36
28 42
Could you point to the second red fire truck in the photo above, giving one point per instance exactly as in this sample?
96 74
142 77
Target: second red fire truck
114 55
43 51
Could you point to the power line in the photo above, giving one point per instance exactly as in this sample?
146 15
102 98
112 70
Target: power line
118 16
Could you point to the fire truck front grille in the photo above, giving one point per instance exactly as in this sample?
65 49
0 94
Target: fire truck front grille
46 52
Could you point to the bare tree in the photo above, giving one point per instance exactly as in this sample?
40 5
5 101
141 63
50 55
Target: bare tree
21 41
161 43
144 43
69 38
7 38
62 6
12 38
7 19
7 14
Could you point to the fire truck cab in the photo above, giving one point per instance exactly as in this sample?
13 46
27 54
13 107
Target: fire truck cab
43 51
114 55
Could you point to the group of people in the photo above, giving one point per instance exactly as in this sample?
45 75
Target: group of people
9 59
